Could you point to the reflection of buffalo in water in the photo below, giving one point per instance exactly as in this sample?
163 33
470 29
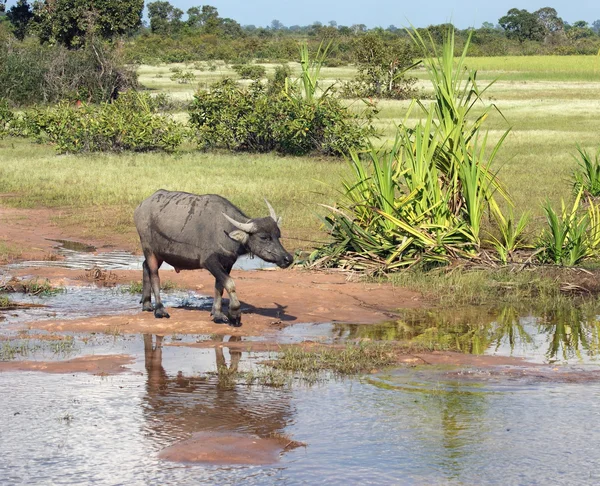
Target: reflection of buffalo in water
177 405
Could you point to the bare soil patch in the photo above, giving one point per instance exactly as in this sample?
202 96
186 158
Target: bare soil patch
95 365
31 231
228 448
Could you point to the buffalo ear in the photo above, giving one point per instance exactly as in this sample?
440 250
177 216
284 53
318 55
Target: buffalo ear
239 236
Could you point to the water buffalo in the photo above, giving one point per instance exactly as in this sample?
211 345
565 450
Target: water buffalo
189 231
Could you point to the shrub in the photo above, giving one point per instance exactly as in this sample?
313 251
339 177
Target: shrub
587 175
381 65
129 123
257 119
570 236
31 74
250 71
182 77
424 199
6 117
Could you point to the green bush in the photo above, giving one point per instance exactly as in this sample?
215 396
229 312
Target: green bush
6 117
250 71
129 123
257 119
182 77
30 73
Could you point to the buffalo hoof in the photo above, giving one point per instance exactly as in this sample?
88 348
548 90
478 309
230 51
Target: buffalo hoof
160 312
219 318
235 321
147 307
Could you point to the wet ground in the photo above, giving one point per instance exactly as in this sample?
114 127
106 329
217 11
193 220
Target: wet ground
95 392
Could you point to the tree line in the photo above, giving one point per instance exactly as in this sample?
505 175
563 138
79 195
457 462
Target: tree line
201 33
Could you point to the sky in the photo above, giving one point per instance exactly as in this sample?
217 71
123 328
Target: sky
383 13
401 13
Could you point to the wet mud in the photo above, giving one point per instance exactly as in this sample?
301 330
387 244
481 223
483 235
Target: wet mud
228 448
96 365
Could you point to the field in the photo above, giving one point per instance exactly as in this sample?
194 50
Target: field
549 103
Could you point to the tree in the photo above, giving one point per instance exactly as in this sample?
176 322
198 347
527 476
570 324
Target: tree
19 16
596 26
522 25
164 18
380 64
69 22
277 25
487 25
549 19
580 30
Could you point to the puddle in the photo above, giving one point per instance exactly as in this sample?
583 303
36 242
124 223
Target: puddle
79 256
79 302
75 246
421 425
404 426
566 334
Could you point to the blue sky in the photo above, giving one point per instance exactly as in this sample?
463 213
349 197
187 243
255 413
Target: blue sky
385 12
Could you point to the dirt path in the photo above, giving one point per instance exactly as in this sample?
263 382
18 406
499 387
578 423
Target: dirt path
28 234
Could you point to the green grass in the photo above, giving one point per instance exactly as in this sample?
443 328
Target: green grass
551 103
118 183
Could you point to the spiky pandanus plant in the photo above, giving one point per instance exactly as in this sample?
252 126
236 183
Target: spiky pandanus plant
423 199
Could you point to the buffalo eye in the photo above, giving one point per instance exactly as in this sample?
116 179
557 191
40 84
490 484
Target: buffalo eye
265 237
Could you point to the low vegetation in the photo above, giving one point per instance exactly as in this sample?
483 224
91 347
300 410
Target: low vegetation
129 123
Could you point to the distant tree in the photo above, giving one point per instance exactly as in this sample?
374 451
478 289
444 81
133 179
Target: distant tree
211 22
380 64
392 28
277 25
487 25
19 15
358 28
332 23
596 26
344 30
68 22
522 25
2 6
549 19
580 30
231 28
164 18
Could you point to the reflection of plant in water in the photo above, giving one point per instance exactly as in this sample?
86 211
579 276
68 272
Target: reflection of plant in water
509 327
571 330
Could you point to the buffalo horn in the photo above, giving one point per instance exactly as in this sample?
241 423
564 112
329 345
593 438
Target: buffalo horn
272 211
246 227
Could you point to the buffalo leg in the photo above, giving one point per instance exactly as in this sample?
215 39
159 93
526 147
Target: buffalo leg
146 289
216 312
154 264
224 281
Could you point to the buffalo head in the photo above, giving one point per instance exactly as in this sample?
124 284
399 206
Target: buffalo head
261 237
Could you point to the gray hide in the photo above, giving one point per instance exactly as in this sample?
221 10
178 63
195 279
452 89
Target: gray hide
189 231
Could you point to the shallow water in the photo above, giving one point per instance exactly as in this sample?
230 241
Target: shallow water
75 255
403 427
422 425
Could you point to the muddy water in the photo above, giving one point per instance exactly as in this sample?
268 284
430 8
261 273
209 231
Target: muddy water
422 425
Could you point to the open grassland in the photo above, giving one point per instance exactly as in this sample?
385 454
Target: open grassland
106 188
550 104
